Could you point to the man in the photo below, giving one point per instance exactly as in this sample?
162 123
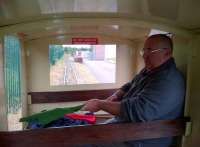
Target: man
156 93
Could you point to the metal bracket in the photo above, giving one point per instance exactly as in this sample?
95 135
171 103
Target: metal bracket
188 129
29 99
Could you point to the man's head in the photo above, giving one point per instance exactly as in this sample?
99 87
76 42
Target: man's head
157 50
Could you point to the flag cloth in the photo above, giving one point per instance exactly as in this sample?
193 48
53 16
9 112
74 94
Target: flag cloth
90 118
47 116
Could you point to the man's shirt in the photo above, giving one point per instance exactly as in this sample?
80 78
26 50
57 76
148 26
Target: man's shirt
154 95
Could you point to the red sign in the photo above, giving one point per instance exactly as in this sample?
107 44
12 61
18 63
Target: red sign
90 41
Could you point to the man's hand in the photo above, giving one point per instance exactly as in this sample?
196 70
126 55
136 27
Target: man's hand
92 105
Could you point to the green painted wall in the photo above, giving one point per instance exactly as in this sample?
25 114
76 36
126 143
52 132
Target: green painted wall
193 93
181 53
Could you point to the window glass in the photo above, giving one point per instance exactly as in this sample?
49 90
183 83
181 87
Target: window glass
82 64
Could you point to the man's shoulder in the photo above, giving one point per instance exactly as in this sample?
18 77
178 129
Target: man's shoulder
174 74
169 74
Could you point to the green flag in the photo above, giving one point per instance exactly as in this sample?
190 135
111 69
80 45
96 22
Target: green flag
47 116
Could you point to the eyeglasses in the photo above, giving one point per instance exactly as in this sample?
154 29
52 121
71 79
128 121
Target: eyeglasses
149 50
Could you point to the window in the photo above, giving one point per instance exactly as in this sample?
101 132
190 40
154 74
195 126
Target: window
82 64
61 6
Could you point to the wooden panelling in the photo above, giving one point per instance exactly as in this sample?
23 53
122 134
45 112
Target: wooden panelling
104 133
69 96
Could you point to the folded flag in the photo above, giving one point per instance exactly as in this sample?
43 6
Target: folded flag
47 116
90 118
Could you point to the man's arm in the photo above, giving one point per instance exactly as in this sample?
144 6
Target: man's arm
117 96
95 105
111 105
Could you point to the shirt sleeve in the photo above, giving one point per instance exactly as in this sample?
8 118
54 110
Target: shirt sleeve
158 97
126 87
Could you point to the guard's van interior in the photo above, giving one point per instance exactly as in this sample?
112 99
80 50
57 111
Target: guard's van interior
47 47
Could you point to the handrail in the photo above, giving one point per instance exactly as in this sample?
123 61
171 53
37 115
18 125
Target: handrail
69 96
102 133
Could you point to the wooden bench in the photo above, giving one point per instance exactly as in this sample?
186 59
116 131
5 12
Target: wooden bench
104 133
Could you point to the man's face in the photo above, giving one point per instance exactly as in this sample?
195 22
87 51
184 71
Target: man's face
154 54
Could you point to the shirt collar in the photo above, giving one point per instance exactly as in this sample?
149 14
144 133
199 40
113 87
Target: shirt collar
170 62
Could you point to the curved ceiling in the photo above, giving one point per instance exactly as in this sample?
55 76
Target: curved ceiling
184 14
